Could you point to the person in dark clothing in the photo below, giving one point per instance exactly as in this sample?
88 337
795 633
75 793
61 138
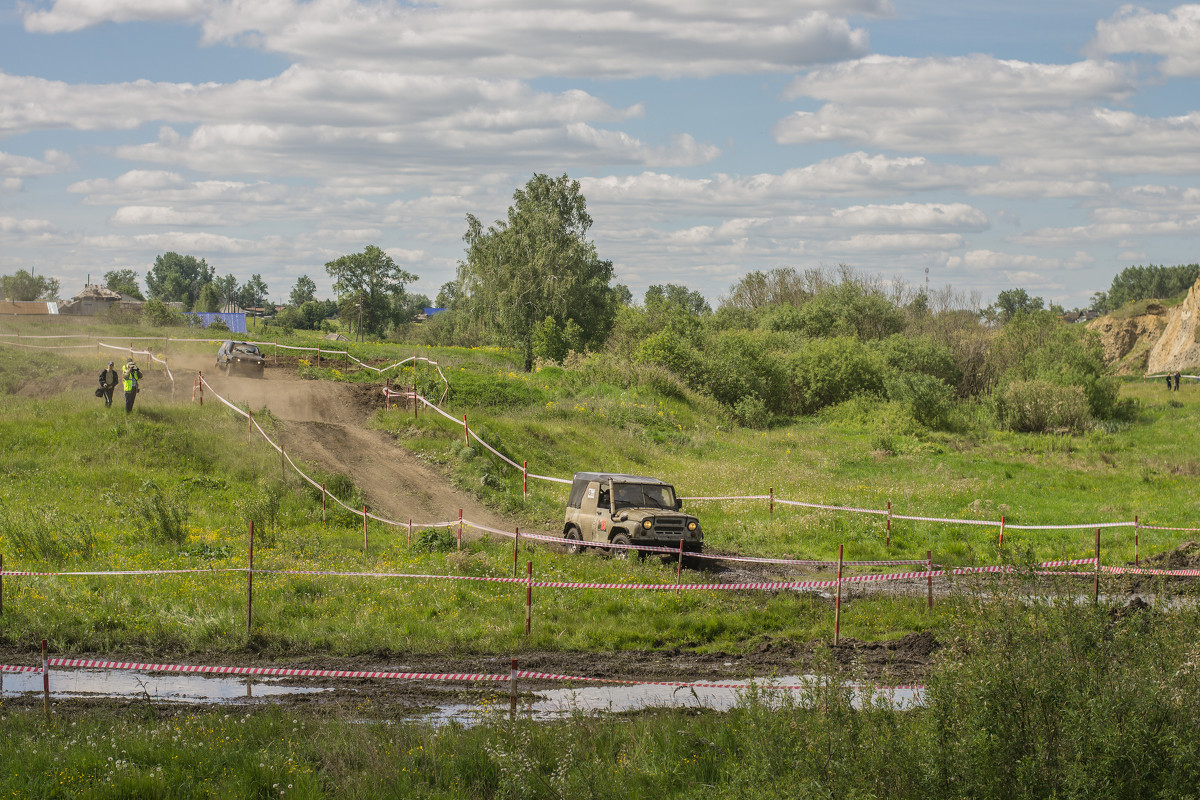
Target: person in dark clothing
1177 381
108 382
1168 381
129 379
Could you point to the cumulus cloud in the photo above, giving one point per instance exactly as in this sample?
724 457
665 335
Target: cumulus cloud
515 38
1173 36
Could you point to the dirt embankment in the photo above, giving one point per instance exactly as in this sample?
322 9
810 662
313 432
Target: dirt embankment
1128 341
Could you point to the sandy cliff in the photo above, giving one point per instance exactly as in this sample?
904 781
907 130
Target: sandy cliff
1177 348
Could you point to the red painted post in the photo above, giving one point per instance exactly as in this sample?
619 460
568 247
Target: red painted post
250 579
387 394
200 381
516 543
1 584
364 527
322 504
929 577
837 602
45 683
1096 583
772 495
679 568
460 529
466 434
887 542
528 597
249 426
415 403
1136 561
524 479
276 351
1000 546
410 531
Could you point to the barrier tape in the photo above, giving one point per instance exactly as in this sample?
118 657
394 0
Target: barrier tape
99 573
475 677
1182 573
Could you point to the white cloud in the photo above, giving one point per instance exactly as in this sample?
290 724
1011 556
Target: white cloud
52 161
26 226
517 38
1174 36
1023 265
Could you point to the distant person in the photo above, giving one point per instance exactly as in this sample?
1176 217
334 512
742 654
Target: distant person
1177 381
130 376
108 382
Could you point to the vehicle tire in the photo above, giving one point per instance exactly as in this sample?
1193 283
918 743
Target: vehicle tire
621 554
573 539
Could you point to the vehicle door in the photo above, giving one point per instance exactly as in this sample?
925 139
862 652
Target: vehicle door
603 519
587 511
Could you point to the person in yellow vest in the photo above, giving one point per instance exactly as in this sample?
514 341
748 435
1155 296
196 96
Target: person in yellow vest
108 382
130 376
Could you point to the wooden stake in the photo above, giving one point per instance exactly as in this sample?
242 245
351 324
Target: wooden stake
282 465
364 528
528 598
276 351
837 602
250 579
45 683
466 432
1000 546
679 568
887 542
524 480
512 689
772 495
516 543
460 529
1096 582
323 503
387 394
1136 561
1 584
249 426
929 577
410 531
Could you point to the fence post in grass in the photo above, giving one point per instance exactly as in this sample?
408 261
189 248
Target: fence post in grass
250 579
771 495
516 543
1 584
1136 561
410 531
322 503
460 529
466 433
512 689
45 683
929 577
364 527
200 383
249 426
1096 580
524 480
1000 546
528 597
276 355
387 394
887 539
282 465
679 568
318 355
837 602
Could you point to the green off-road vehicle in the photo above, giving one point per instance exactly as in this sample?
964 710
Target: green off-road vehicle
627 509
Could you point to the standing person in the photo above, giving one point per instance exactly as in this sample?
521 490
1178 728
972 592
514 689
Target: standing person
108 382
1168 381
130 376
1177 381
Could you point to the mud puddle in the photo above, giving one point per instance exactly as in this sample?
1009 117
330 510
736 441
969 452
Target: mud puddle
156 687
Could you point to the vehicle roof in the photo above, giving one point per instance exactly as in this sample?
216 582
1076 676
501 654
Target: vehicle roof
616 477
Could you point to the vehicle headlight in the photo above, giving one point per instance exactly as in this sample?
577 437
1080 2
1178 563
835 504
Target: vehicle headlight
691 526
647 524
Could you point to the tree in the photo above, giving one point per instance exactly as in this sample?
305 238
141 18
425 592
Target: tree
24 285
675 297
304 291
253 293
226 288
447 296
124 281
208 300
368 283
1011 302
535 265
178 279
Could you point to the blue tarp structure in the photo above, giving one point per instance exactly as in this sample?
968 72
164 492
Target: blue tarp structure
429 312
236 322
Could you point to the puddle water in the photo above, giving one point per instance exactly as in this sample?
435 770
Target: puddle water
176 688
554 704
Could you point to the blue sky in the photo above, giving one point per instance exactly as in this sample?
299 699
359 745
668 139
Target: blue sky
1037 145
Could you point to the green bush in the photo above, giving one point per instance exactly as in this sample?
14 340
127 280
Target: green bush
163 518
828 371
156 313
1040 406
751 412
926 398
435 540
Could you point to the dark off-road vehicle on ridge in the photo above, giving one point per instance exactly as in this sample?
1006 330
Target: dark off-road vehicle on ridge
627 509
242 357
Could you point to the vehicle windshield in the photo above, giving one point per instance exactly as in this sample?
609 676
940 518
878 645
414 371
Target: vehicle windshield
637 495
246 348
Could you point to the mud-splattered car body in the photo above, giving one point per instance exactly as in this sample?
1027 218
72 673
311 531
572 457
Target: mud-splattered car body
612 508
241 357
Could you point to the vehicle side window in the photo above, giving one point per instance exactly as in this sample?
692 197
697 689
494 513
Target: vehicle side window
605 500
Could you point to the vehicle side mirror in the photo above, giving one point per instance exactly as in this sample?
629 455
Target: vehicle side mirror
678 504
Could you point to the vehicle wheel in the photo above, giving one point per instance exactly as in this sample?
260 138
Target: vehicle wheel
623 555
573 539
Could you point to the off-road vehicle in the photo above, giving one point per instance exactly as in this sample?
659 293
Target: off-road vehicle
242 357
627 509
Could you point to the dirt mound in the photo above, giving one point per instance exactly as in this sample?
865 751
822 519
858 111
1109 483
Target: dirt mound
908 654
1127 342
1185 556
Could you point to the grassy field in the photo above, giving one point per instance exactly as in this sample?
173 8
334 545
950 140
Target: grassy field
173 486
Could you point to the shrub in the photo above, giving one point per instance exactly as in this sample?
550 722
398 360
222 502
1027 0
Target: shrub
435 540
927 398
828 371
163 518
1040 406
156 313
751 412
